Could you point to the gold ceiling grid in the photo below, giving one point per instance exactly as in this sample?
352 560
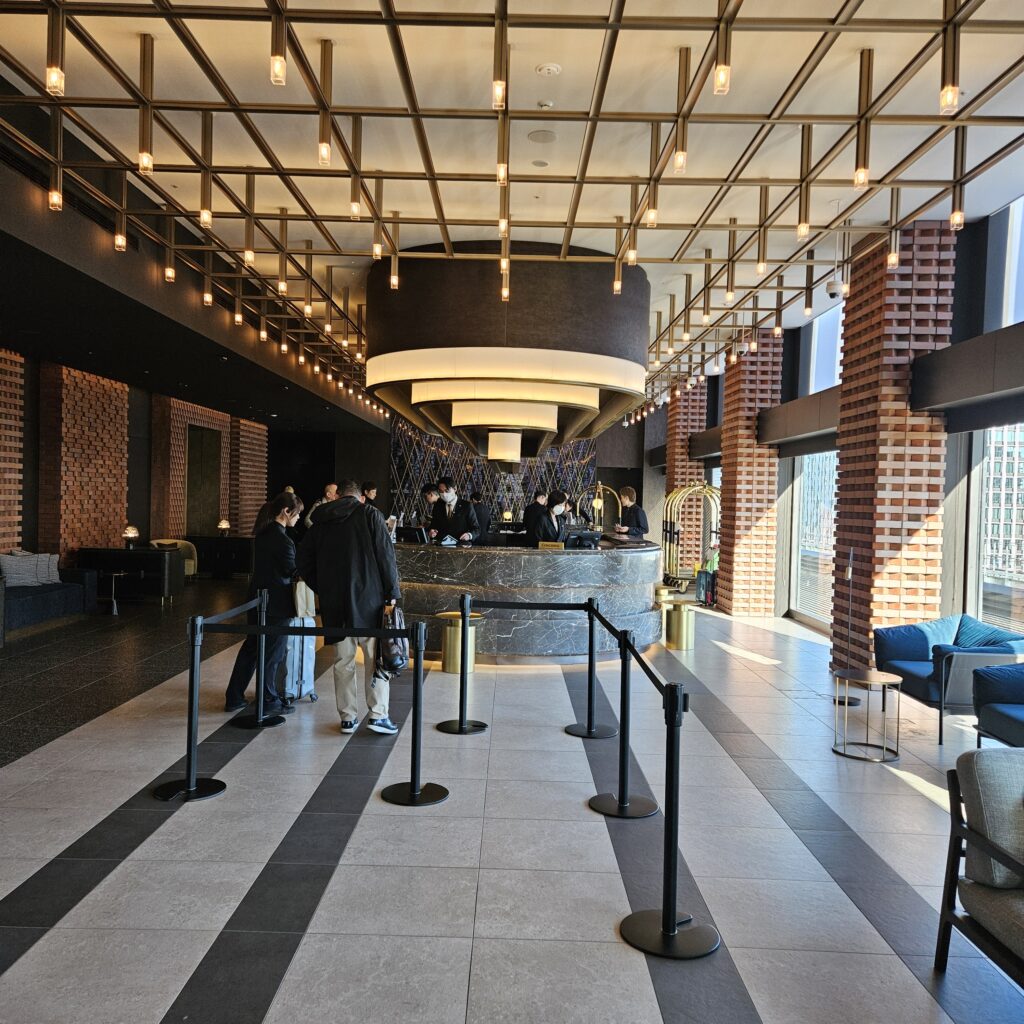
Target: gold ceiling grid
733 264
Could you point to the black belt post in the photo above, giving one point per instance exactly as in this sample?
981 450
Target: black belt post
462 726
191 787
658 931
259 720
623 805
411 793
591 731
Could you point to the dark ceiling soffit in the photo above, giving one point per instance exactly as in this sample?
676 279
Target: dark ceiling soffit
707 444
802 418
985 370
657 458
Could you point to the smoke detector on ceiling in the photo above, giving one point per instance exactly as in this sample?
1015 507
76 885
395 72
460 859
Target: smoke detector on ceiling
548 70
542 136
545 104
539 163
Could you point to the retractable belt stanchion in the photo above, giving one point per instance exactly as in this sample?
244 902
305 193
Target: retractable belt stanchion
623 805
462 726
191 787
411 793
658 931
259 720
591 731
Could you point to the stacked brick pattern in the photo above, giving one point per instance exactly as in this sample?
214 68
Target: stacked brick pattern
746 570
171 420
12 400
687 415
247 474
83 460
891 460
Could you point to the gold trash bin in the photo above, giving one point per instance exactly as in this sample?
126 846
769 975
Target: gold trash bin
451 641
679 624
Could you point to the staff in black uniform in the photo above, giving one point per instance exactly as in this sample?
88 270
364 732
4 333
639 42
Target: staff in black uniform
533 511
633 522
457 518
551 525
483 513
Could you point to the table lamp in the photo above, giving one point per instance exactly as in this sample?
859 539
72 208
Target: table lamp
130 536
223 526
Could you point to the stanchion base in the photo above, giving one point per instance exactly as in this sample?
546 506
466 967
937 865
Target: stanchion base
601 732
638 806
205 788
453 727
252 722
642 930
401 793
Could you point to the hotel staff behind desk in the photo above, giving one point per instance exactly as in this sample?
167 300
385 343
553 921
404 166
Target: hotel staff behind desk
633 522
549 525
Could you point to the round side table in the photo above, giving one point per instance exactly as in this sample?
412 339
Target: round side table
866 679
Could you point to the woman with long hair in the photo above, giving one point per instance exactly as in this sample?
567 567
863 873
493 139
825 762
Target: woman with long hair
273 571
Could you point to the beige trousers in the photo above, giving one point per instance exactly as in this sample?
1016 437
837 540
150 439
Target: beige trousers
346 686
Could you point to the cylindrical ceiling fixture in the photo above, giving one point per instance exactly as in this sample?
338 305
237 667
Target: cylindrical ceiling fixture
688 279
861 174
505 291
121 217
238 305
730 267
803 220
354 182
169 271
278 49
282 256
56 192
956 216
208 278
394 251
503 213
723 59
263 328
55 50
617 280
777 329
892 257
307 306
501 173
249 254
206 175
706 312
504 446
682 122
146 108
809 284
651 218
949 86
499 77
323 153
631 248
762 231
752 345
378 224
329 311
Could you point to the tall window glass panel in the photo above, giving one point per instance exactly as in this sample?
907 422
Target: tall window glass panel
814 534
826 349
1013 283
1001 554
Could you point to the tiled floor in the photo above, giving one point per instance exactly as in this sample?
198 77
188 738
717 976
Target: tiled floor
300 895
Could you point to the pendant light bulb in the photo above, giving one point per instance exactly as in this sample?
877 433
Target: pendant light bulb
278 69
705 318
949 99
249 257
617 287
207 298
394 282
502 174
761 267
238 319
302 359
169 275
723 79
56 200
956 220
378 250
752 347
307 310
631 257
323 154
730 297
497 94
892 261
651 218
355 209
282 287
679 161
503 265
55 81
808 310
145 163
206 218
120 243
803 229
503 227
861 179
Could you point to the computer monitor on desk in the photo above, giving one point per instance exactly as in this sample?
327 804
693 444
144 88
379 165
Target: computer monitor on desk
412 534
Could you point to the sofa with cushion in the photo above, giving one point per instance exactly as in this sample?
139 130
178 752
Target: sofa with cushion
989 786
999 703
936 659
34 590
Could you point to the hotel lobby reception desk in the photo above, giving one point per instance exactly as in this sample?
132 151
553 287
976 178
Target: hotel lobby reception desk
620 578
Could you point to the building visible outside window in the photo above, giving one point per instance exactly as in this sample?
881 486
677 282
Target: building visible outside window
814 534
826 350
1001 553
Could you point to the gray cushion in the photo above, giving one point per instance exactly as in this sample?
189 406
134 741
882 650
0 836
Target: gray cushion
992 783
25 570
999 911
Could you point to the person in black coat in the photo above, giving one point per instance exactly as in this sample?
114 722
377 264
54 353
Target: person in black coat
483 513
348 559
455 517
551 525
534 510
633 522
273 571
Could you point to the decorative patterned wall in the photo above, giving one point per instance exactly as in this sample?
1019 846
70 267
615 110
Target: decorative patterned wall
12 384
418 458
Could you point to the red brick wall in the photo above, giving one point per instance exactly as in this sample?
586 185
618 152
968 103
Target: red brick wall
247 474
170 423
83 460
746 569
687 415
12 399
891 460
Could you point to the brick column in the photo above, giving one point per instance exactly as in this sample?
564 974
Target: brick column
83 460
687 415
12 404
247 477
746 569
891 460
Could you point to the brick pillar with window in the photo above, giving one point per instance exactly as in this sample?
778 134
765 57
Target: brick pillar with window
687 415
247 475
746 568
891 459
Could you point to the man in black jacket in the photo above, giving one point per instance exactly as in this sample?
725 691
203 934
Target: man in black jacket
349 560
483 514
455 517
533 511
634 519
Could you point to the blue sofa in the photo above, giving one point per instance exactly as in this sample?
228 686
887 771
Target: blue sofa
936 660
999 703
29 606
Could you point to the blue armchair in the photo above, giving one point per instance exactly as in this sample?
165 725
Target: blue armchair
999 703
936 659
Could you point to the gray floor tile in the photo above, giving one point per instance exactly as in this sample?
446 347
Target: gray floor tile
881 812
547 845
528 737
381 981
563 801
518 981
414 840
729 807
451 762
29 832
719 851
539 766
365 900
14 871
919 860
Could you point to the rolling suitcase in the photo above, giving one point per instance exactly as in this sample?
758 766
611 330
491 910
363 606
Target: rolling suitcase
300 662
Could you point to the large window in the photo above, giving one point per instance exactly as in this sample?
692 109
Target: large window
1001 553
814 534
826 350
1013 283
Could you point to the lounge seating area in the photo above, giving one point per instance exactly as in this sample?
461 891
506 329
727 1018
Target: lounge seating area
34 590
999 703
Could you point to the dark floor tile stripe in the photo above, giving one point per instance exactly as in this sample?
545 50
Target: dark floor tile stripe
893 907
706 991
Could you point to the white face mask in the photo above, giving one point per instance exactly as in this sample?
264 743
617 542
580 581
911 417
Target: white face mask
449 497
558 510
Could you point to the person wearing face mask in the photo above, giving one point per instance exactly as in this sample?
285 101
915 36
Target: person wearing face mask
550 526
456 518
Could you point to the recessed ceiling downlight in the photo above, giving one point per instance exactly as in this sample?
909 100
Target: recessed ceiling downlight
548 69
542 136
539 163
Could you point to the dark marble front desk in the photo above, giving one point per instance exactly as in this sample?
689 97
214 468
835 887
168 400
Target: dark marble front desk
621 579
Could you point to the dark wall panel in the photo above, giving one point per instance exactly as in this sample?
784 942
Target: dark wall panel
300 459
362 457
30 459
140 407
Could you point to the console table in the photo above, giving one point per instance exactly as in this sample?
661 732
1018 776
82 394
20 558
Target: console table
149 572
